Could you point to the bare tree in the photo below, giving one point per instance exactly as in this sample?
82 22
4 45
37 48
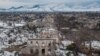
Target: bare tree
86 35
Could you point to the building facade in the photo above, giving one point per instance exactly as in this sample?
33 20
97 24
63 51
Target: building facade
39 47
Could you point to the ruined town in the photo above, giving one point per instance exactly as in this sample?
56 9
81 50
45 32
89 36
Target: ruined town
50 34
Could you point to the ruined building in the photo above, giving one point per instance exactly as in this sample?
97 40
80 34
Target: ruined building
39 47
45 42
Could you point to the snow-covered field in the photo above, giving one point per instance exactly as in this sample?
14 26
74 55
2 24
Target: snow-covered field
95 44
61 51
6 53
12 35
8 38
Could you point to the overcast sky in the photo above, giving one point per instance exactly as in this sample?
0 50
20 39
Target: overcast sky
16 3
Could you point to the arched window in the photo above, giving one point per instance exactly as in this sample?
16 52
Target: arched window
31 42
49 44
37 43
43 44
31 51
43 51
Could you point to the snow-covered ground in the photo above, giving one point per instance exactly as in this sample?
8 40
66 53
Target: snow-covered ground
2 24
61 51
11 36
65 43
6 53
95 44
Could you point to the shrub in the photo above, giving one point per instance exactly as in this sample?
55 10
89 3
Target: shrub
71 47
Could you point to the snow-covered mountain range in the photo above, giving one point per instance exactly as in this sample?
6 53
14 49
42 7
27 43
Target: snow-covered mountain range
89 6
